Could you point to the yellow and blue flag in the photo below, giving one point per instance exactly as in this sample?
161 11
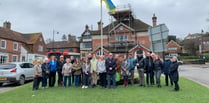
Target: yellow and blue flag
110 6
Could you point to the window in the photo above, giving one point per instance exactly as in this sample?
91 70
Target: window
99 53
47 50
15 47
122 37
87 37
14 58
70 49
40 39
23 58
61 50
3 44
40 48
87 45
3 59
172 48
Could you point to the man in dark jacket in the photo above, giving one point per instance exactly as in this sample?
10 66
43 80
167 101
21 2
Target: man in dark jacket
149 69
166 69
174 73
110 64
61 62
140 67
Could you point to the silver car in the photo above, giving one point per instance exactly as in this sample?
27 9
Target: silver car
16 72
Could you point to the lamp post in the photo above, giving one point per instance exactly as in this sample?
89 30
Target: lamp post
54 32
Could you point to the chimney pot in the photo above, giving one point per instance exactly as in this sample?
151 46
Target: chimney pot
154 20
99 25
7 25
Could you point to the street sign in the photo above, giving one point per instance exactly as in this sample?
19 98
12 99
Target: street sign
158 37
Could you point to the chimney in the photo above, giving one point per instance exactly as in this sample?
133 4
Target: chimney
87 27
7 25
154 20
99 25
71 38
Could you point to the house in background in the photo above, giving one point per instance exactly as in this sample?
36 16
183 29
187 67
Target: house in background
173 49
67 48
16 47
35 47
126 34
85 42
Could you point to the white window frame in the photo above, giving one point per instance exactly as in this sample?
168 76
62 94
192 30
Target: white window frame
172 48
6 57
40 48
122 37
5 44
15 49
99 53
16 58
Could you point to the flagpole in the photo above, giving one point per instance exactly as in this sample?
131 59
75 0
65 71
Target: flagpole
101 29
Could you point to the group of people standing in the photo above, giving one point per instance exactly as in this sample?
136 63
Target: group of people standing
88 71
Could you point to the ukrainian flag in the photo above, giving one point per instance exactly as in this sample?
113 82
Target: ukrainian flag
110 6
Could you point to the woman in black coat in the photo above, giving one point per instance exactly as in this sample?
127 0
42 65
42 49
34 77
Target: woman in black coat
174 73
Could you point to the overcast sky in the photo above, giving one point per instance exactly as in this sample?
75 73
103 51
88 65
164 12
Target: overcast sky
71 16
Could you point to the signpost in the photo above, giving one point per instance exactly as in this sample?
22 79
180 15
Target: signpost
158 37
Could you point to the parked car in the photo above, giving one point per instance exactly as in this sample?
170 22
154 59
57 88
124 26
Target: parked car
16 72
180 62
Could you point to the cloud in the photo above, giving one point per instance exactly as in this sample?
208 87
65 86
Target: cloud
71 16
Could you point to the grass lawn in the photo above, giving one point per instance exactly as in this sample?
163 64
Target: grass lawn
190 93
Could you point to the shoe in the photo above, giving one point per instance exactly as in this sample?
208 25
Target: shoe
83 86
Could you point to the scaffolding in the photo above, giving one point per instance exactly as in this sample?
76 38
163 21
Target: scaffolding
123 14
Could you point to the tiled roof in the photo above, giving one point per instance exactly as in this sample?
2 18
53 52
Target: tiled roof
63 44
31 38
137 25
11 35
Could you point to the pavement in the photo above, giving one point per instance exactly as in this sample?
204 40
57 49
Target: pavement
196 73
9 86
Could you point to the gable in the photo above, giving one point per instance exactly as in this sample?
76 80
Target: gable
121 27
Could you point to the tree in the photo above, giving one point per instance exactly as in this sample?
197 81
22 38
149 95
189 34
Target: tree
64 37
171 37
191 45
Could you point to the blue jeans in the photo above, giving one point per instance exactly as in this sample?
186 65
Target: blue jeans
157 75
67 78
77 80
85 79
44 82
111 77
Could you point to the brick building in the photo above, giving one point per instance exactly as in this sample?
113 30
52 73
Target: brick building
173 49
126 34
15 46
68 48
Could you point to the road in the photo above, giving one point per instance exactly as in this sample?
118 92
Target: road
197 73
8 86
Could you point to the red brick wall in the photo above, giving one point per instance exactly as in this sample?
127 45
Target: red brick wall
97 42
36 45
173 44
144 40
10 49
